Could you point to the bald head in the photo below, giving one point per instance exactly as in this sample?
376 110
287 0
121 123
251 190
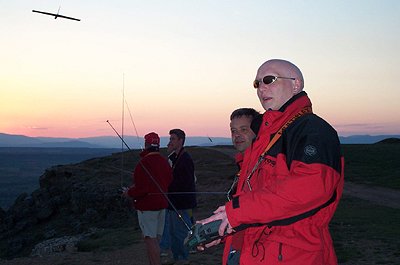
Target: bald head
284 68
289 82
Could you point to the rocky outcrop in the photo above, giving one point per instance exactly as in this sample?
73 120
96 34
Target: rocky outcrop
71 200
75 199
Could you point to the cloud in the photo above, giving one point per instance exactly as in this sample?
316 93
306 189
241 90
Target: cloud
37 128
367 128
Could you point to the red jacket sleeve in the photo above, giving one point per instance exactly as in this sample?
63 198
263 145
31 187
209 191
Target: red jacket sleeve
140 188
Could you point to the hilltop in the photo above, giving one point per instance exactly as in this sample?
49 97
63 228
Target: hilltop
76 200
389 141
85 207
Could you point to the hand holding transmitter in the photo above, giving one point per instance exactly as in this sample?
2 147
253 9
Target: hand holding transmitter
202 234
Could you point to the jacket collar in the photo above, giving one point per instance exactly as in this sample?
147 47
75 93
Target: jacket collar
293 99
274 119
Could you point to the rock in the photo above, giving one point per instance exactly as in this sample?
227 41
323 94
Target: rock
66 243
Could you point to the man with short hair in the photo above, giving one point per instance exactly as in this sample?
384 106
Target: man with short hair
241 131
182 195
151 179
245 123
244 126
291 179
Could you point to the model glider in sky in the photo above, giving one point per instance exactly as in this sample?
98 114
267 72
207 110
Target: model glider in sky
56 15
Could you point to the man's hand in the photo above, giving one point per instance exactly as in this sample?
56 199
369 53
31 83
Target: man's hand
219 214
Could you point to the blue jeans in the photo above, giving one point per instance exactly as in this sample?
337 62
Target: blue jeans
178 232
165 242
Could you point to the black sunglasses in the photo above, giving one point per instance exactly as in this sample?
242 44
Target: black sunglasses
269 79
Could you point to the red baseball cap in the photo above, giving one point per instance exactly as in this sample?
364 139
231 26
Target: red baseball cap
152 139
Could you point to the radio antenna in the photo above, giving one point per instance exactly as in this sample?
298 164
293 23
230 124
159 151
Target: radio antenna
134 126
122 126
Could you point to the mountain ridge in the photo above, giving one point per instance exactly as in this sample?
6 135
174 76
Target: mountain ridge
134 142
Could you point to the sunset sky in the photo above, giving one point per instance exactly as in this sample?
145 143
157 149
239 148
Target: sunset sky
189 64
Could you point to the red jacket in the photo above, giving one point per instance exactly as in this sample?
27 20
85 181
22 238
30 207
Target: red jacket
301 172
146 189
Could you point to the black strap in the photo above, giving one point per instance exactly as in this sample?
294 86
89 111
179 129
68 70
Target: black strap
290 220
296 218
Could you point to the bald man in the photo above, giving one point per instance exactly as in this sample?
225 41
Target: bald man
291 179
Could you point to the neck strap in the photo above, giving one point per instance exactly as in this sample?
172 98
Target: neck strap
275 139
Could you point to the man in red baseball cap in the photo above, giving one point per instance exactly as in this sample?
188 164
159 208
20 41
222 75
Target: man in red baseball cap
151 179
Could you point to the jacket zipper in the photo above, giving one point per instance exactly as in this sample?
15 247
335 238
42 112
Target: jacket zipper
280 257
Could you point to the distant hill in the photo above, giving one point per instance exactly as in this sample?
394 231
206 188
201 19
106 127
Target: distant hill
365 139
390 141
9 140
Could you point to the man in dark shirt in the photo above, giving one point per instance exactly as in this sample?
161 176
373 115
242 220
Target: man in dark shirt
181 195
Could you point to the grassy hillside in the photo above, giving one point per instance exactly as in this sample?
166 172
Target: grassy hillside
364 233
373 164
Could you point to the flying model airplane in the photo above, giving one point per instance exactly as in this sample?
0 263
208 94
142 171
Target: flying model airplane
56 15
